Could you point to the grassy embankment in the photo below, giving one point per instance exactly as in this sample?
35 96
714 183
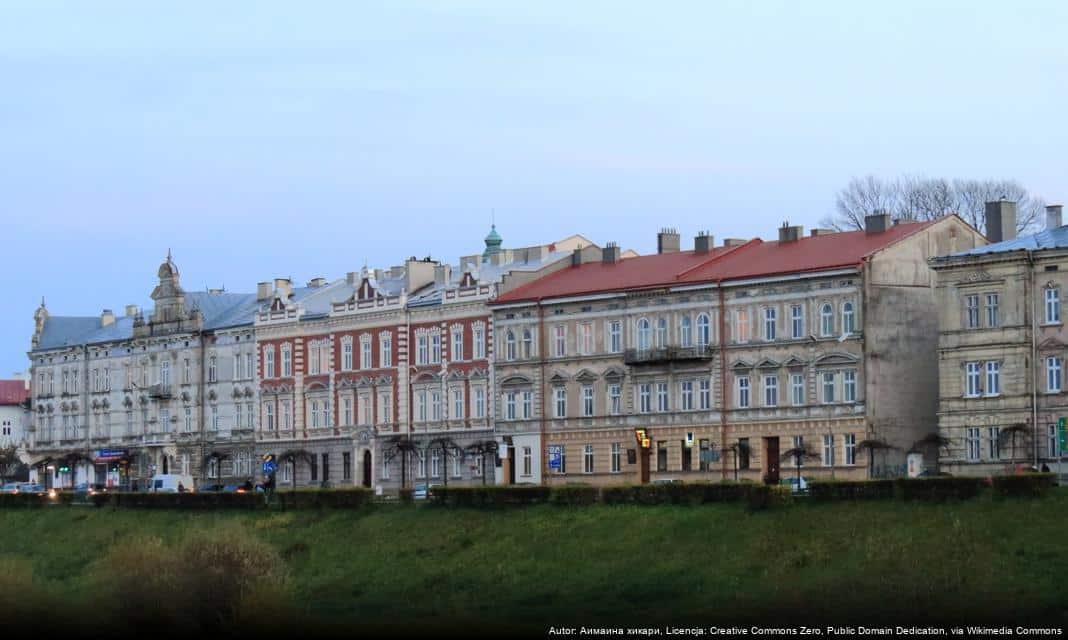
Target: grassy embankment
426 567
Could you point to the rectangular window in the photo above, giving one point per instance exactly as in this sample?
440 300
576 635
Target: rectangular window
1053 374
828 450
365 353
559 402
702 462
661 455
993 378
687 456
797 389
769 324
686 395
250 366
528 405
528 461
435 463
287 415
587 400
797 322
741 326
771 391
585 338
828 388
509 406
799 443
617 457
743 453
1053 443
480 402
704 395
587 458
971 378
559 341
972 443
268 415
250 414
971 307
435 405
1053 305
346 411
993 442
457 464
314 351
743 391
456 352
645 398
346 465
849 386
268 364
661 397
422 349
435 348
478 336
992 310
615 399
215 418
615 336
420 405
850 444
385 355
458 404
385 408
287 361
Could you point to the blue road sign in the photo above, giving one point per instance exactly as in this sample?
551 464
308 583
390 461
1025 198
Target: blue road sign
556 454
269 467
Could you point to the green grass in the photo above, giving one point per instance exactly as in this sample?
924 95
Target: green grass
529 567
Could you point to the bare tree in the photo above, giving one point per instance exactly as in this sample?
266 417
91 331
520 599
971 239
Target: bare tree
972 196
799 455
10 465
861 197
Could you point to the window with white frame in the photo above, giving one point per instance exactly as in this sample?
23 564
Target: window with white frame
316 420
509 405
585 338
973 446
480 402
239 367
420 466
828 387
704 330
365 409
850 446
456 351
346 410
769 323
559 341
385 349
848 319
559 402
644 334
615 336
645 397
365 352
478 339
797 321
849 385
187 423
250 365
661 332
287 415
1053 305
420 405
213 370
509 345
385 407
661 396
457 463
164 373
971 311
346 353
992 314
214 418
528 343
528 404
615 399
435 463
1053 374
250 414
287 361
827 320
993 450
799 443
742 391
458 404
686 395
528 461
435 405
587 400
972 387
993 378
1053 446
741 325
828 450
587 458
435 347
384 470
422 349
268 416
771 391
797 389
314 355
617 457
704 394
268 363
685 332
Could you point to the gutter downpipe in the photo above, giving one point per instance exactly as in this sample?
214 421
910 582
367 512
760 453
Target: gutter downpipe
723 380
542 451
1034 361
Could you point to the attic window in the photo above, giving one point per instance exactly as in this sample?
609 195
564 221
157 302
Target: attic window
587 309
557 312
1052 267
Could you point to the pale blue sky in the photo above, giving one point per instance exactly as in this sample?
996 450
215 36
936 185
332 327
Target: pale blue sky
274 139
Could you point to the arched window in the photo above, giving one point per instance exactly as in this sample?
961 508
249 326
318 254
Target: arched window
509 345
826 320
643 334
847 318
661 332
528 344
703 334
685 332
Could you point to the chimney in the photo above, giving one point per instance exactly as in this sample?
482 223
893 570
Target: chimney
877 222
351 278
315 283
789 233
442 274
106 318
1000 220
820 232
610 254
284 287
667 241
734 242
263 290
703 242
576 257
1053 216
131 310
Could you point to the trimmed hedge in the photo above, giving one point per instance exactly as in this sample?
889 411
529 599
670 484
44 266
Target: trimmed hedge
675 493
1027 485
939 489
489 496
332 498
827 490
574 495
757 497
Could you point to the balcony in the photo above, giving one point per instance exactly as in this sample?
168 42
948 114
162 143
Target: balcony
160 392
662 355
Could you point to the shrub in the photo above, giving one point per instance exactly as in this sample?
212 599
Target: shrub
826 490
1027 485
21 596
757 497
407 496
489 496
574 495
328 498
938 489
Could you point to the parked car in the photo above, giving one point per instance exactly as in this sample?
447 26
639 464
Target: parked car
168 483
665 481
423 491
89 488
212 487
10 487
797 485
32 487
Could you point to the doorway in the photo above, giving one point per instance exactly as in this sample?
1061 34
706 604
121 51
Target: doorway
771 458
511 464
367 469
165 466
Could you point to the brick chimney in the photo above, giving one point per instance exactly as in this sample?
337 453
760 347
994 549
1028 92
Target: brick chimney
667 241
877 222
576 257
131 310
1000 220
1054 218
106 318
703 242
820 232
284 287
610 253
734 242
788 233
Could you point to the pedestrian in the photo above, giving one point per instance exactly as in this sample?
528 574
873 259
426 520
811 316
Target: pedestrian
1045 468
248 484
181 487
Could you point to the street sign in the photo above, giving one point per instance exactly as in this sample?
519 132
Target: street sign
556 453
269 467
710 455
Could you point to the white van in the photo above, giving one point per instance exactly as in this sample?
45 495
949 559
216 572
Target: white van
168 483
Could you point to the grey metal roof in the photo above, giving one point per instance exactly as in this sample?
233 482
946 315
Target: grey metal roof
1048 239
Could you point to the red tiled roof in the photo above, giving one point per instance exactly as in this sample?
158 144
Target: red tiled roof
13 392
756 258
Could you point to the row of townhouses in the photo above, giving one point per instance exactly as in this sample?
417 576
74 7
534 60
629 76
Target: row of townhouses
848 353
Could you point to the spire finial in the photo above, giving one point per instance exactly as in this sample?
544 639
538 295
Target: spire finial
168 254
42 301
